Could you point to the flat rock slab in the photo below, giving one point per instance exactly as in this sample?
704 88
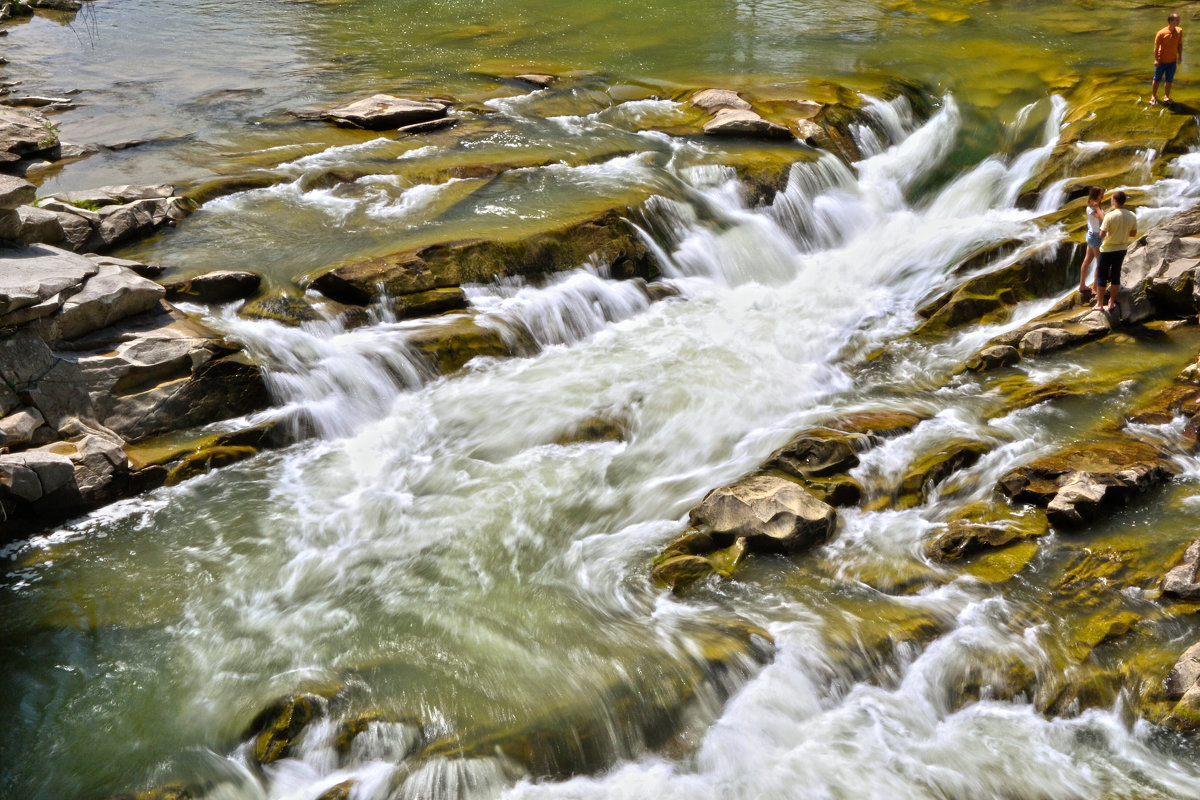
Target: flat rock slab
33 275
713 100
384 112
24 133
745 123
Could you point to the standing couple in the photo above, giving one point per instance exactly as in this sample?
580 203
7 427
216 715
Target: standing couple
1108 238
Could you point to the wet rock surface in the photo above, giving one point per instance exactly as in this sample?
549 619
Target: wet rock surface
91 358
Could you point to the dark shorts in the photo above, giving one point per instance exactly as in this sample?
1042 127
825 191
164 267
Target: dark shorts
1165 71
1108 268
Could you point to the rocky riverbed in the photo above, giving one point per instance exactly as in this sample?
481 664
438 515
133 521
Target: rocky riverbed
116 381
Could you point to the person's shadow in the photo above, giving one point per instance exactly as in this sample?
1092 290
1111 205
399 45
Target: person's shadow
1176 107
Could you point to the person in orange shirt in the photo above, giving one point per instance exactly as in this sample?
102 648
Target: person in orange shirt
1168 52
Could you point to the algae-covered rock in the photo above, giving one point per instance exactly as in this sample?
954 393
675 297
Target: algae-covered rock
609 239
206 460
985 526
1080 482
881 424
286 309
990 297
933 468
278 727
424 304
772 513
339 791
599 428
679 572
451 342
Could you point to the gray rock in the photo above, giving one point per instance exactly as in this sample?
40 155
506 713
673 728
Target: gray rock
17 428
772 513
17 481
713 100
54 470
383 111
23 133
8 398
1000 355
1159 274
16 191
71 151
1184 674
24 359
58 5
113 294
1079 500
1043 340
116 195
745 123
39 225
1180 581
33 101
34 274
61 396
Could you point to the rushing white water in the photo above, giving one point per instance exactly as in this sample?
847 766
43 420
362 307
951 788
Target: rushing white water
436 552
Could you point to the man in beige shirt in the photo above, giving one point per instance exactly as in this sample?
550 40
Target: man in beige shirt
1117 232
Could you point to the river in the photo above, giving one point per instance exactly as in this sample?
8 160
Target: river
433 553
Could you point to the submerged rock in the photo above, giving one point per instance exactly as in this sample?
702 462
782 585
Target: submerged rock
276 730
982 527
383 111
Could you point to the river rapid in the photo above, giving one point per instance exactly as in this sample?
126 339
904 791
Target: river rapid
434 554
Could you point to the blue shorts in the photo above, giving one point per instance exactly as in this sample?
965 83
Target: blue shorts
1165 71
1094 240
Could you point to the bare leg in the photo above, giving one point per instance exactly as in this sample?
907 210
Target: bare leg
1088 257
1153 92
1112 296
1167 92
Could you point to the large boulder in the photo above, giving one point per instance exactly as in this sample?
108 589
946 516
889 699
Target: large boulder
383 111
1159 274
771 513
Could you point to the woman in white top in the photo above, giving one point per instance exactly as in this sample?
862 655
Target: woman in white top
1095 215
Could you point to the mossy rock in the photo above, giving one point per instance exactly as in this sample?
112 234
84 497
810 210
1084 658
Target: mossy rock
213 188
873 633
680 572
1000 566
983 527
1107 107
990 297
425 304
608 239
839 491
599 428
880 423
276 730
340 791
206 460
929 471
1074 692
170 791
1095 630
286 309
450 343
